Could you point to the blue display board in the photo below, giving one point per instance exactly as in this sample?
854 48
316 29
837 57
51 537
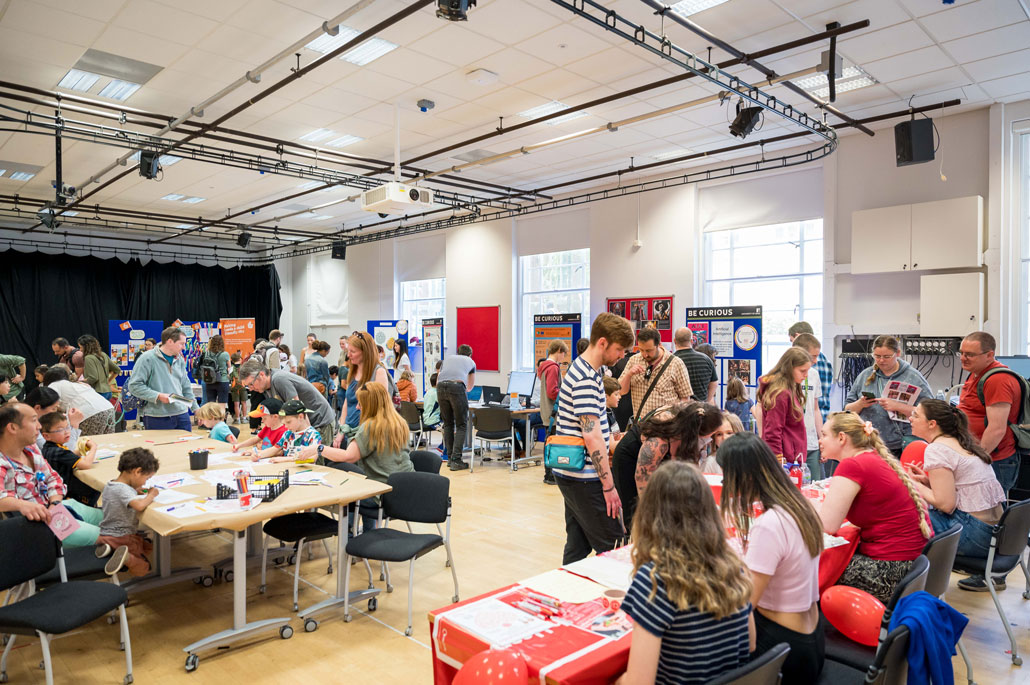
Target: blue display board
385 332
125 342
736 335
197 335
548 327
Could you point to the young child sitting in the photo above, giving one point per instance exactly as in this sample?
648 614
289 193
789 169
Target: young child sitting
212 417
690 597
406 387
124 502
272 428
56 431
299 434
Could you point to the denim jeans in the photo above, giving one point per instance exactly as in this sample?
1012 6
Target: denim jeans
159 423
454 412
1007 471
975 540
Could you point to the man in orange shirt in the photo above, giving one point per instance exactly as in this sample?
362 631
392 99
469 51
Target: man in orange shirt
989 420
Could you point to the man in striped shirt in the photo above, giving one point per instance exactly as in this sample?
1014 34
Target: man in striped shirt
593 511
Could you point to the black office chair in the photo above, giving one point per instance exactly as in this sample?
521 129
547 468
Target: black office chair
851 653
415 498
889 667
235 430
492 425
1008 540
425 461
765 670
940 551
297 529
413 417
60 608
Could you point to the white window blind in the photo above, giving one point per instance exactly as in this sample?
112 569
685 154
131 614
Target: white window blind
775 199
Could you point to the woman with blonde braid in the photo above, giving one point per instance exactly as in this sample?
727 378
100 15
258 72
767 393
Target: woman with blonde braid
781 549
871 490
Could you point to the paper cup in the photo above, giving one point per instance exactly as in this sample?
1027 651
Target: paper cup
612 599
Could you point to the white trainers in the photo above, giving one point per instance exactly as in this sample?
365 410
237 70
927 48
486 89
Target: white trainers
117 560
103 550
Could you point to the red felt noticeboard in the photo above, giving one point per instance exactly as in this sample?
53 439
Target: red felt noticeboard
480 327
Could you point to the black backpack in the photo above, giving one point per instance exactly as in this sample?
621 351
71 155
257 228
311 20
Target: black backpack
206 368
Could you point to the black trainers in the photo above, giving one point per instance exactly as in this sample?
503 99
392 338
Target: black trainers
457 465
117 560
978 584
549 479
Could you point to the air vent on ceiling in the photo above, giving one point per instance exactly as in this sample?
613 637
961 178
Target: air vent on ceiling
474 155
116 66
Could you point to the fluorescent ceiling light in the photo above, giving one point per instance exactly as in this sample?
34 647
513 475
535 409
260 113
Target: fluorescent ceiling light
344 141
326 43
685 8
173 197
185 226
79 80
69 213
3 171
670 154
317 135
21 176
320 217
851 78
194 200
369 51
309 185
119 90
550 108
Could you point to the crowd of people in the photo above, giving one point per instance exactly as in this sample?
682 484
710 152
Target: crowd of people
648 479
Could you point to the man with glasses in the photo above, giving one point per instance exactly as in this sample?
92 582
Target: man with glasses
989 419
648 367
286 386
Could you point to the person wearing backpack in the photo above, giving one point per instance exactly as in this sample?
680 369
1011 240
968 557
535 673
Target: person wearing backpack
214 371
549 373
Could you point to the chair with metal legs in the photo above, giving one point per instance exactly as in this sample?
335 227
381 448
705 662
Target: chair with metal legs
940 552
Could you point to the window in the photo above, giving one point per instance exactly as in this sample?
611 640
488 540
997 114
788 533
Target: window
779 267
424 299
551 283
1024 230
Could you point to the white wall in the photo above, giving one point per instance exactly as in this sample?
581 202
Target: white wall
480 260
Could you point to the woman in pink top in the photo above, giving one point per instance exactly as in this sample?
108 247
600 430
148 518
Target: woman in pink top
956 477
782 548
781 396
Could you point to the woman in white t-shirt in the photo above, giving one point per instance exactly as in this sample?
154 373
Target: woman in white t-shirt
781 549
401 361
956 477
98 413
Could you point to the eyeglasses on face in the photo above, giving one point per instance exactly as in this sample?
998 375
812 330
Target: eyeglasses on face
969 355
883 357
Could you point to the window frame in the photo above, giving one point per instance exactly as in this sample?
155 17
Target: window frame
524 338
412 329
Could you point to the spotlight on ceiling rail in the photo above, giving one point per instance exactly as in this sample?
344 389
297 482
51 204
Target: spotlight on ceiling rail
454 10
745 121
243 239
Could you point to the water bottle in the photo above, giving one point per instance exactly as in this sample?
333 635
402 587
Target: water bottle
940 395
796 475
806 474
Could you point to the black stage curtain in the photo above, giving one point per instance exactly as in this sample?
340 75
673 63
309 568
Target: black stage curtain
43 297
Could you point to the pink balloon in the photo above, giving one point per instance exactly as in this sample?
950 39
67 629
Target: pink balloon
855 613
494 667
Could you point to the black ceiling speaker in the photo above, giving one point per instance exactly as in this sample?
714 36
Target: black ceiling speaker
339 249
148 164
913 141
243 239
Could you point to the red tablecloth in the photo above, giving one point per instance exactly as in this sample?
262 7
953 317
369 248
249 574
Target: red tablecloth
833 561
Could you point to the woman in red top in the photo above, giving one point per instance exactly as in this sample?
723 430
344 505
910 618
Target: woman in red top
781 395
871 490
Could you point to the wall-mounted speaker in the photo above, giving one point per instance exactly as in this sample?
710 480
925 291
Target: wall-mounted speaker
339 249
243 239
913 142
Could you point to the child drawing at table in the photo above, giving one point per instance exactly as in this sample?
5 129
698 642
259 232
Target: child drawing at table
123 502
212 417
272 428
781 548
299 434
690 594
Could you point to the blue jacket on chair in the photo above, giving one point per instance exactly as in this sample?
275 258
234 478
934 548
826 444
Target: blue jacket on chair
934 631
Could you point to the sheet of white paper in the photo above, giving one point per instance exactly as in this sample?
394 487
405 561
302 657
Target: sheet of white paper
830 541
613 573
184 510
229 506
173 496
106 453
171 480
307 477
495 622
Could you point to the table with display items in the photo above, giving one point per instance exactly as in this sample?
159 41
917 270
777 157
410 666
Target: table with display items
524 415
342 490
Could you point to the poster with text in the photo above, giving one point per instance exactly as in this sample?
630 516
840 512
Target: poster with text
386 333
722 338
132 339
736 334
197 335
548 327
432 349
700 331
238 335
646 312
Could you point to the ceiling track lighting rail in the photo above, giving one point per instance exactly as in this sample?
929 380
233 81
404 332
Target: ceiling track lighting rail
661 46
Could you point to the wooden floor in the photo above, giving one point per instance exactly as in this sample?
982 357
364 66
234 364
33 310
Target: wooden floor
506 526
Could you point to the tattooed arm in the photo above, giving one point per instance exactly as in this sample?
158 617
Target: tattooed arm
597 450
651 455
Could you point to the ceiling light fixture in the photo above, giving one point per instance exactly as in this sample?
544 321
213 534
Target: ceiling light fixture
3 171
671 154
344 141
119 90
550 108
369 51
21 176
194 200
745 120
79 80
851 78
172 197
309 185
317 135
685 8
326 43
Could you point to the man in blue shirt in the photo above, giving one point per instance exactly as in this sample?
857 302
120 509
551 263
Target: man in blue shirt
159 374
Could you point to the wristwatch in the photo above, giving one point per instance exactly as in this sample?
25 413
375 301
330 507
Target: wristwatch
320 448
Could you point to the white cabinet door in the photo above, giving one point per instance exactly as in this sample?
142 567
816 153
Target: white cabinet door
947 234
880 240
951 304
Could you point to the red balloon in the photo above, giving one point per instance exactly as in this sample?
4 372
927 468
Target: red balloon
855 613
494 667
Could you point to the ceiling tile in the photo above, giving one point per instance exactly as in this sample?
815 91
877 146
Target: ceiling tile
511 22
893 40
168 23
563 45
57 25
101 10
990 43
216 11
908 64
929 82
613 63
557 84
880 13
996 67
148 48
1007 86
965 19
373 85
456 45
410 66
